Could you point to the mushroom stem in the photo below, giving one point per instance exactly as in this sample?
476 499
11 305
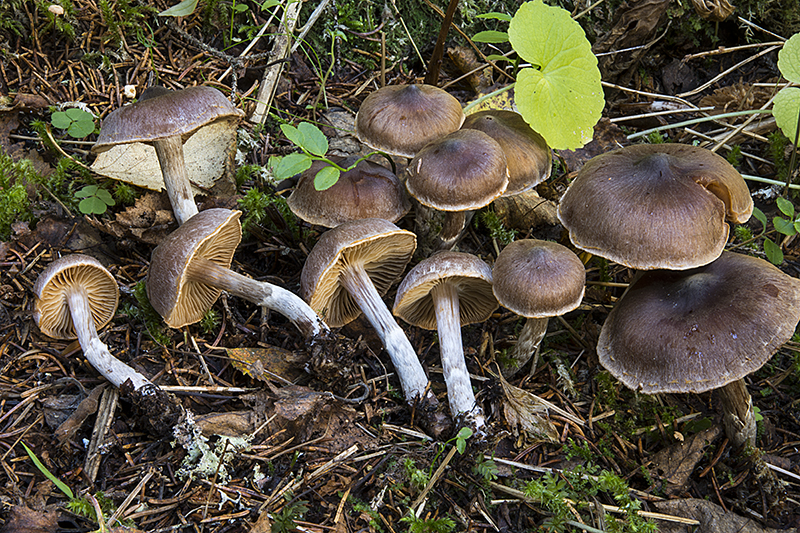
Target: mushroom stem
738 415
261 293
176 180
530 337
406 363
451 349
95 351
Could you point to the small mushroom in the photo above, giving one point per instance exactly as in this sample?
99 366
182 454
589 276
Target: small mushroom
164 119
702 329
538 280
190 268
455 174
347 272
76 295
444 292
655 206
367 191
401 119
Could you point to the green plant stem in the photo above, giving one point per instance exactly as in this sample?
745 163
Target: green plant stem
699 121
769 181
584 527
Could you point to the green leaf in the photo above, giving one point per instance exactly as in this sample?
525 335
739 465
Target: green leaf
494 15
561 98
88 190
60 120
269 4
294 135
773 252
290 165
77 122
92 205
241 8
315 140
49 475
105 196
186 7
326 178
497 57
789 59
786 108
786 207
490 36
759 215
783 226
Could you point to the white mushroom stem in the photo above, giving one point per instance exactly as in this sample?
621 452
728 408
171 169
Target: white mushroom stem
451 349
356 281
176 180
261 293
738 415
95 351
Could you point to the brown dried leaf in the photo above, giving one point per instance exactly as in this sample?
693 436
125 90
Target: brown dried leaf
711 516
675 464
266 363
527 413
22 519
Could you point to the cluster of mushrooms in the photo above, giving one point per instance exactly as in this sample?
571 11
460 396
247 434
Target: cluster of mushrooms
694 319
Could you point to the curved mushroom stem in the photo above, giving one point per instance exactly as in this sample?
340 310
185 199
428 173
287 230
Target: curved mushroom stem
95 351
451 349
176 180
261 293
530 337
356 281
738 415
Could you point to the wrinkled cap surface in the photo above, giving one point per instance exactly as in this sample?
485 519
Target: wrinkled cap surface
166 114
377 245
700 329
471 277
655 206
70 272
464 170
368 191
529 158
212 234
538 279
401 119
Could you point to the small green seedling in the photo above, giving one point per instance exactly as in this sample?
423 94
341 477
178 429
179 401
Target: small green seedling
787 226
96 200
77 122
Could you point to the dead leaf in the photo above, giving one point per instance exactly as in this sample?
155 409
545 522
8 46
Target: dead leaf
675 464
228 424
263 524
735 97
479 75
22 519
148 221
525 210
266 363
73 423
607 136
711 516
526 413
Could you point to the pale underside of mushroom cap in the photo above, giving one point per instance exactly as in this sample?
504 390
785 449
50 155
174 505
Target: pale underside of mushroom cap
538 279
380 247
214 235
51 310
655 206
471 277
401 119
697 330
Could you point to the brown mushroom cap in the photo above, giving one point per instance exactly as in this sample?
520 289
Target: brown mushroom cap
401 119
538 279
379 246
166 114
529 158
471 277
655 206
214 235
51 311
697 330
368 191
464 170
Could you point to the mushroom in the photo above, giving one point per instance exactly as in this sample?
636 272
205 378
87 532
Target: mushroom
165 119
190 268
444 292
367 191
75 296
538 280
702 329
401 119
346 273
655 206
452 175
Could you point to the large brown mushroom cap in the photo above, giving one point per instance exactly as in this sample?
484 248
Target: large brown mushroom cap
167 114
461 171
214 235
471 277
529 158
380 247
655 206
401 119
51 310
368 191
698 330
538 279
